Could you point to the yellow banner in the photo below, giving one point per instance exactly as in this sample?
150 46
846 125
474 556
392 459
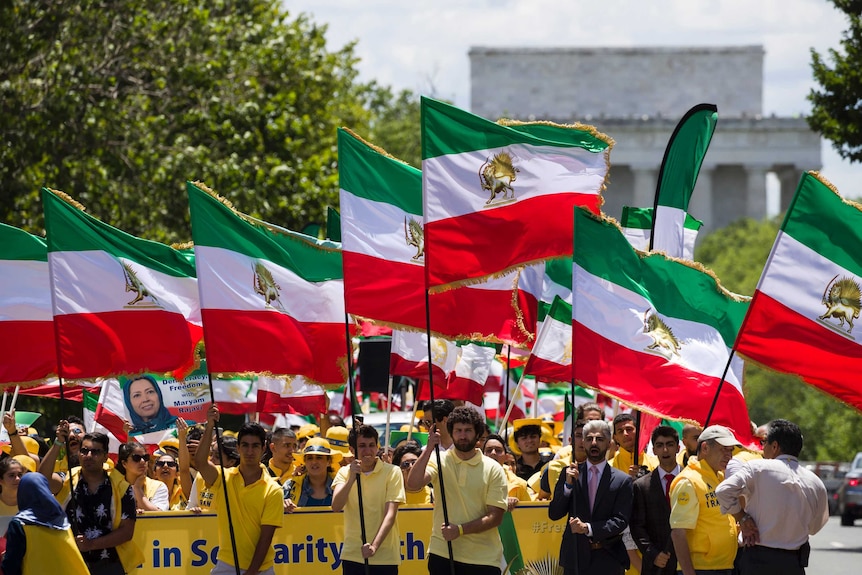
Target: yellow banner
179 542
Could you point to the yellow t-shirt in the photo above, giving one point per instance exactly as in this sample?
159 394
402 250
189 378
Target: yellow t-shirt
177 501
385 483
421 497
63 551
251 506
471 487
624 459
282 476
517 487
711 535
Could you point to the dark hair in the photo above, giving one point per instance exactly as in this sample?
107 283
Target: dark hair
6 463
97 437
282 432
411 446
195 433
589 406
362 430
787 434
124 452
228 446
664 431
252 428
163 418
464 414
439 408
75 419
528 430
497 437
621 418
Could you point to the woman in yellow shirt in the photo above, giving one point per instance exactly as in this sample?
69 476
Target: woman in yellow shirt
11 472
404 456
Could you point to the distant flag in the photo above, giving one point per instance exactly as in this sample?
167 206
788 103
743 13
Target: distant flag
384 258
498 196
122 304
804 315
636 224
91 403
272 300
409 356
551 356
26 323
289 395
654 332
472 369
677 176
333 224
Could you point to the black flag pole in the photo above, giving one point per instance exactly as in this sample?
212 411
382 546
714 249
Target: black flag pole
351 390
718 389
434 421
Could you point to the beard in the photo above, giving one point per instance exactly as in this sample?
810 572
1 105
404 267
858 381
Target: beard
466 445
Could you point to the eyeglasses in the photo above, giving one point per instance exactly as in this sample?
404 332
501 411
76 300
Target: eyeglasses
166 463
137 457
76 431
87 451
407 463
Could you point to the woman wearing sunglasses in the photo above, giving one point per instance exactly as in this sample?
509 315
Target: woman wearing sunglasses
314 487
404 457
150 495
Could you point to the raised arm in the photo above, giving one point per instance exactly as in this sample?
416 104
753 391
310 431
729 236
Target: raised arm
202 456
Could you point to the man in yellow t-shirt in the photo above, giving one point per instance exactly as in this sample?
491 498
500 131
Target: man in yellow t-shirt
476 490
623 459
703 537
382 492
255 502
282 446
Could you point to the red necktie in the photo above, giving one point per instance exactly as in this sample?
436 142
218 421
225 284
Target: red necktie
668 479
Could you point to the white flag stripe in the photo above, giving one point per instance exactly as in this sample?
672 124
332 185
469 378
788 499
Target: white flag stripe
106 286
294 387
25 289
669 237
474 362
387 238
413 346
801 292
617 314
227 282
543 170
554 341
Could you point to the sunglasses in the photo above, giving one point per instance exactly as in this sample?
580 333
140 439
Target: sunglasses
86 451
137 457
166 463
407 464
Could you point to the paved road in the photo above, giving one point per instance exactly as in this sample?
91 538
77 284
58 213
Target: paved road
836 549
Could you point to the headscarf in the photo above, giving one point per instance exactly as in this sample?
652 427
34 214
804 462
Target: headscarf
163 418
36 504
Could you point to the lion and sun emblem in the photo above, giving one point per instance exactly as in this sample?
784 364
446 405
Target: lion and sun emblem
664 342
496 176
843 302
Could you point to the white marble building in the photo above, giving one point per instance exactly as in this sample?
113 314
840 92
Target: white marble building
637 96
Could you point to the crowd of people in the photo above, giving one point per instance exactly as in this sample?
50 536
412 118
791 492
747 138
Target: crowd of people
697 502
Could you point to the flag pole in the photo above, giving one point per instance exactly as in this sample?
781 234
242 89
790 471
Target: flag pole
501 424
718 389
512 403
434 423
351 388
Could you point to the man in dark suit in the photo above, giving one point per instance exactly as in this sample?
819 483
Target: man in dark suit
650 521
598 500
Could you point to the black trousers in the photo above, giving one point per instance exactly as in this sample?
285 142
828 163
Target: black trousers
353 568
440 566
759 560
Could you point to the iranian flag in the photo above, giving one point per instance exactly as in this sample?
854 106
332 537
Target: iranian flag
472 369
636 224
91 404
26 323
121 304
272 300
498 196
409 356
236 396
551 356
677 176
803 318
384 258
289 395
653 332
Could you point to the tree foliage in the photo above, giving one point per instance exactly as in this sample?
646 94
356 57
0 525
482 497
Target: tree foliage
836 111
833 431
118 103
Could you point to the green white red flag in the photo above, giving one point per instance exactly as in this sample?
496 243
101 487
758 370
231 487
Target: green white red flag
289 395
28 353
272 300
654 332
497 197
384 258
121 304
551 356
636 224
472 370
409 356
803 315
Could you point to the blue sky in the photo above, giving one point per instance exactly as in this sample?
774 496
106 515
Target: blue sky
423 45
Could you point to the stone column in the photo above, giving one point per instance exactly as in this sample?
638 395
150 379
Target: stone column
700 206
644 186
755 202
788 178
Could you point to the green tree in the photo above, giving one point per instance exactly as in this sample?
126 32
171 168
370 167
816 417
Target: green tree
118 102
836 113
833 430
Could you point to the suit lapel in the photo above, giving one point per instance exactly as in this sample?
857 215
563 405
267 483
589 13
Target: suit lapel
604 485
583 495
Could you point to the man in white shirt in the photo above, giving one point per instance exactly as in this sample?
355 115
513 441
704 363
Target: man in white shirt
784 504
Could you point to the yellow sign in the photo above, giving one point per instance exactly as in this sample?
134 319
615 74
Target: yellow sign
179 542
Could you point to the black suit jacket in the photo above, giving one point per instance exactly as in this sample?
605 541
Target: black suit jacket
650 524
608 520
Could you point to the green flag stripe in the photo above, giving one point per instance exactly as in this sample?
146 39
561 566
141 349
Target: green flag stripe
366 173
641 219
91 401
674 289
684 155
449 130
560 271
561 311
216 225
16 244
71 230
814 204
